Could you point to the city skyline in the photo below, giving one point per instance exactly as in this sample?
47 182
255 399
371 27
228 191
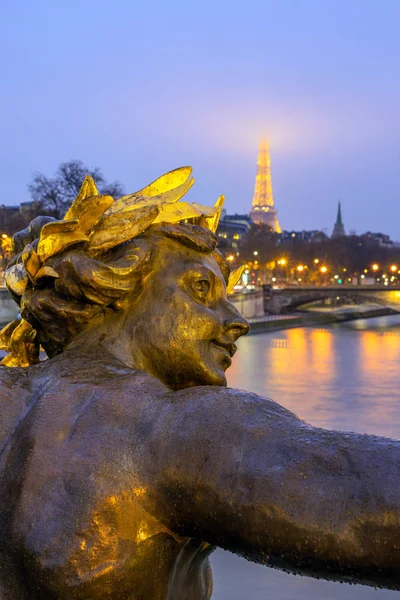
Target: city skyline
81 82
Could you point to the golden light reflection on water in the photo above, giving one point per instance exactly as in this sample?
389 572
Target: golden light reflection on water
379 369
337 378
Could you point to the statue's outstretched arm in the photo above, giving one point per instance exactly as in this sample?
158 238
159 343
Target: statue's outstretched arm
241 472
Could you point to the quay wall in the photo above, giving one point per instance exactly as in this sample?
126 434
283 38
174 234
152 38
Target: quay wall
9 309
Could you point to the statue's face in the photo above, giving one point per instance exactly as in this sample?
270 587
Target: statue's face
182 327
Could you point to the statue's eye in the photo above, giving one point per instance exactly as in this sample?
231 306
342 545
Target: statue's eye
202 286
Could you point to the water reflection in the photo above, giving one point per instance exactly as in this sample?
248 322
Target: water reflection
343 377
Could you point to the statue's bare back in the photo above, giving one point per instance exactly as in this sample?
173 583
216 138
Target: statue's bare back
80 511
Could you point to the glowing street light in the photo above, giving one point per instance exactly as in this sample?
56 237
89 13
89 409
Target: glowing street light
255 253
375 267
323 269
316 260
393 268
300 268
230 258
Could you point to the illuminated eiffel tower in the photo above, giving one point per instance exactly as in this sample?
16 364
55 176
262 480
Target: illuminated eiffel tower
263 207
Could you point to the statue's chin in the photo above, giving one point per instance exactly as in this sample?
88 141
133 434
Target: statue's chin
215 376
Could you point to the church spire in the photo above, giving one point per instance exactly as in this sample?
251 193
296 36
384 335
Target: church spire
263 206
338 229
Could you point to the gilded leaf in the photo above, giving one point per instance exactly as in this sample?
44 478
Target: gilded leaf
24 346
46 271
114 229
91 210
234 277
165 183
171 213
10 361
58 227
30 260
57 242
17 279
6 333
88 189
137 200
211 223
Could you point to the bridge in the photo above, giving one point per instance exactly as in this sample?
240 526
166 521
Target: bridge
291 298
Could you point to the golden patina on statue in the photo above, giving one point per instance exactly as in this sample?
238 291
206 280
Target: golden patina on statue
97 224
125 460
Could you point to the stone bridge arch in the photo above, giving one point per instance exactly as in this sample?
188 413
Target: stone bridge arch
289 299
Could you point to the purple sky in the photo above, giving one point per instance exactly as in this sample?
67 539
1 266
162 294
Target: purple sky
139 88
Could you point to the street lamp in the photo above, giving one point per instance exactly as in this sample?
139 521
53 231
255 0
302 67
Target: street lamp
323 271
393 268
375 267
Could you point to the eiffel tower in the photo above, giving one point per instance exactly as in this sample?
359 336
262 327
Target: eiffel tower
263 206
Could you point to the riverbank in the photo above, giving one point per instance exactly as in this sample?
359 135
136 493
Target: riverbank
308 318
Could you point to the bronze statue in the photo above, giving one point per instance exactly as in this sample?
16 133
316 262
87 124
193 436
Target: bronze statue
125 459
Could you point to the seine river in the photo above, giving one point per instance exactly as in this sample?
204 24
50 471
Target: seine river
339 377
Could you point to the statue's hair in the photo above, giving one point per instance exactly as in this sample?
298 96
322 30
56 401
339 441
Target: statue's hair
61 308
67 273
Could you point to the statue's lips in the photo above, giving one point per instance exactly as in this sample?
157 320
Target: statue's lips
229 347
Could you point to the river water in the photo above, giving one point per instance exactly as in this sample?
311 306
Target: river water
340 377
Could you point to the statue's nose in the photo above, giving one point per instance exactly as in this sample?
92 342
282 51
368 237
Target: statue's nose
236 325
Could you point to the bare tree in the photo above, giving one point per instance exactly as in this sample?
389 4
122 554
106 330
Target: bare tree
55 194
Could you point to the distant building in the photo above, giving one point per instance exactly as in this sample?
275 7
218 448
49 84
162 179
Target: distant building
338 229
263 207
10 210
379 238
312 236
232 229
25 208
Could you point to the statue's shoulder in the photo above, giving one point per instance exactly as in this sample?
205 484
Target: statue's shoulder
96 368
69 385
81 378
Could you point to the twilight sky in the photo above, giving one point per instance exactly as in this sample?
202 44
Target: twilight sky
140 87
